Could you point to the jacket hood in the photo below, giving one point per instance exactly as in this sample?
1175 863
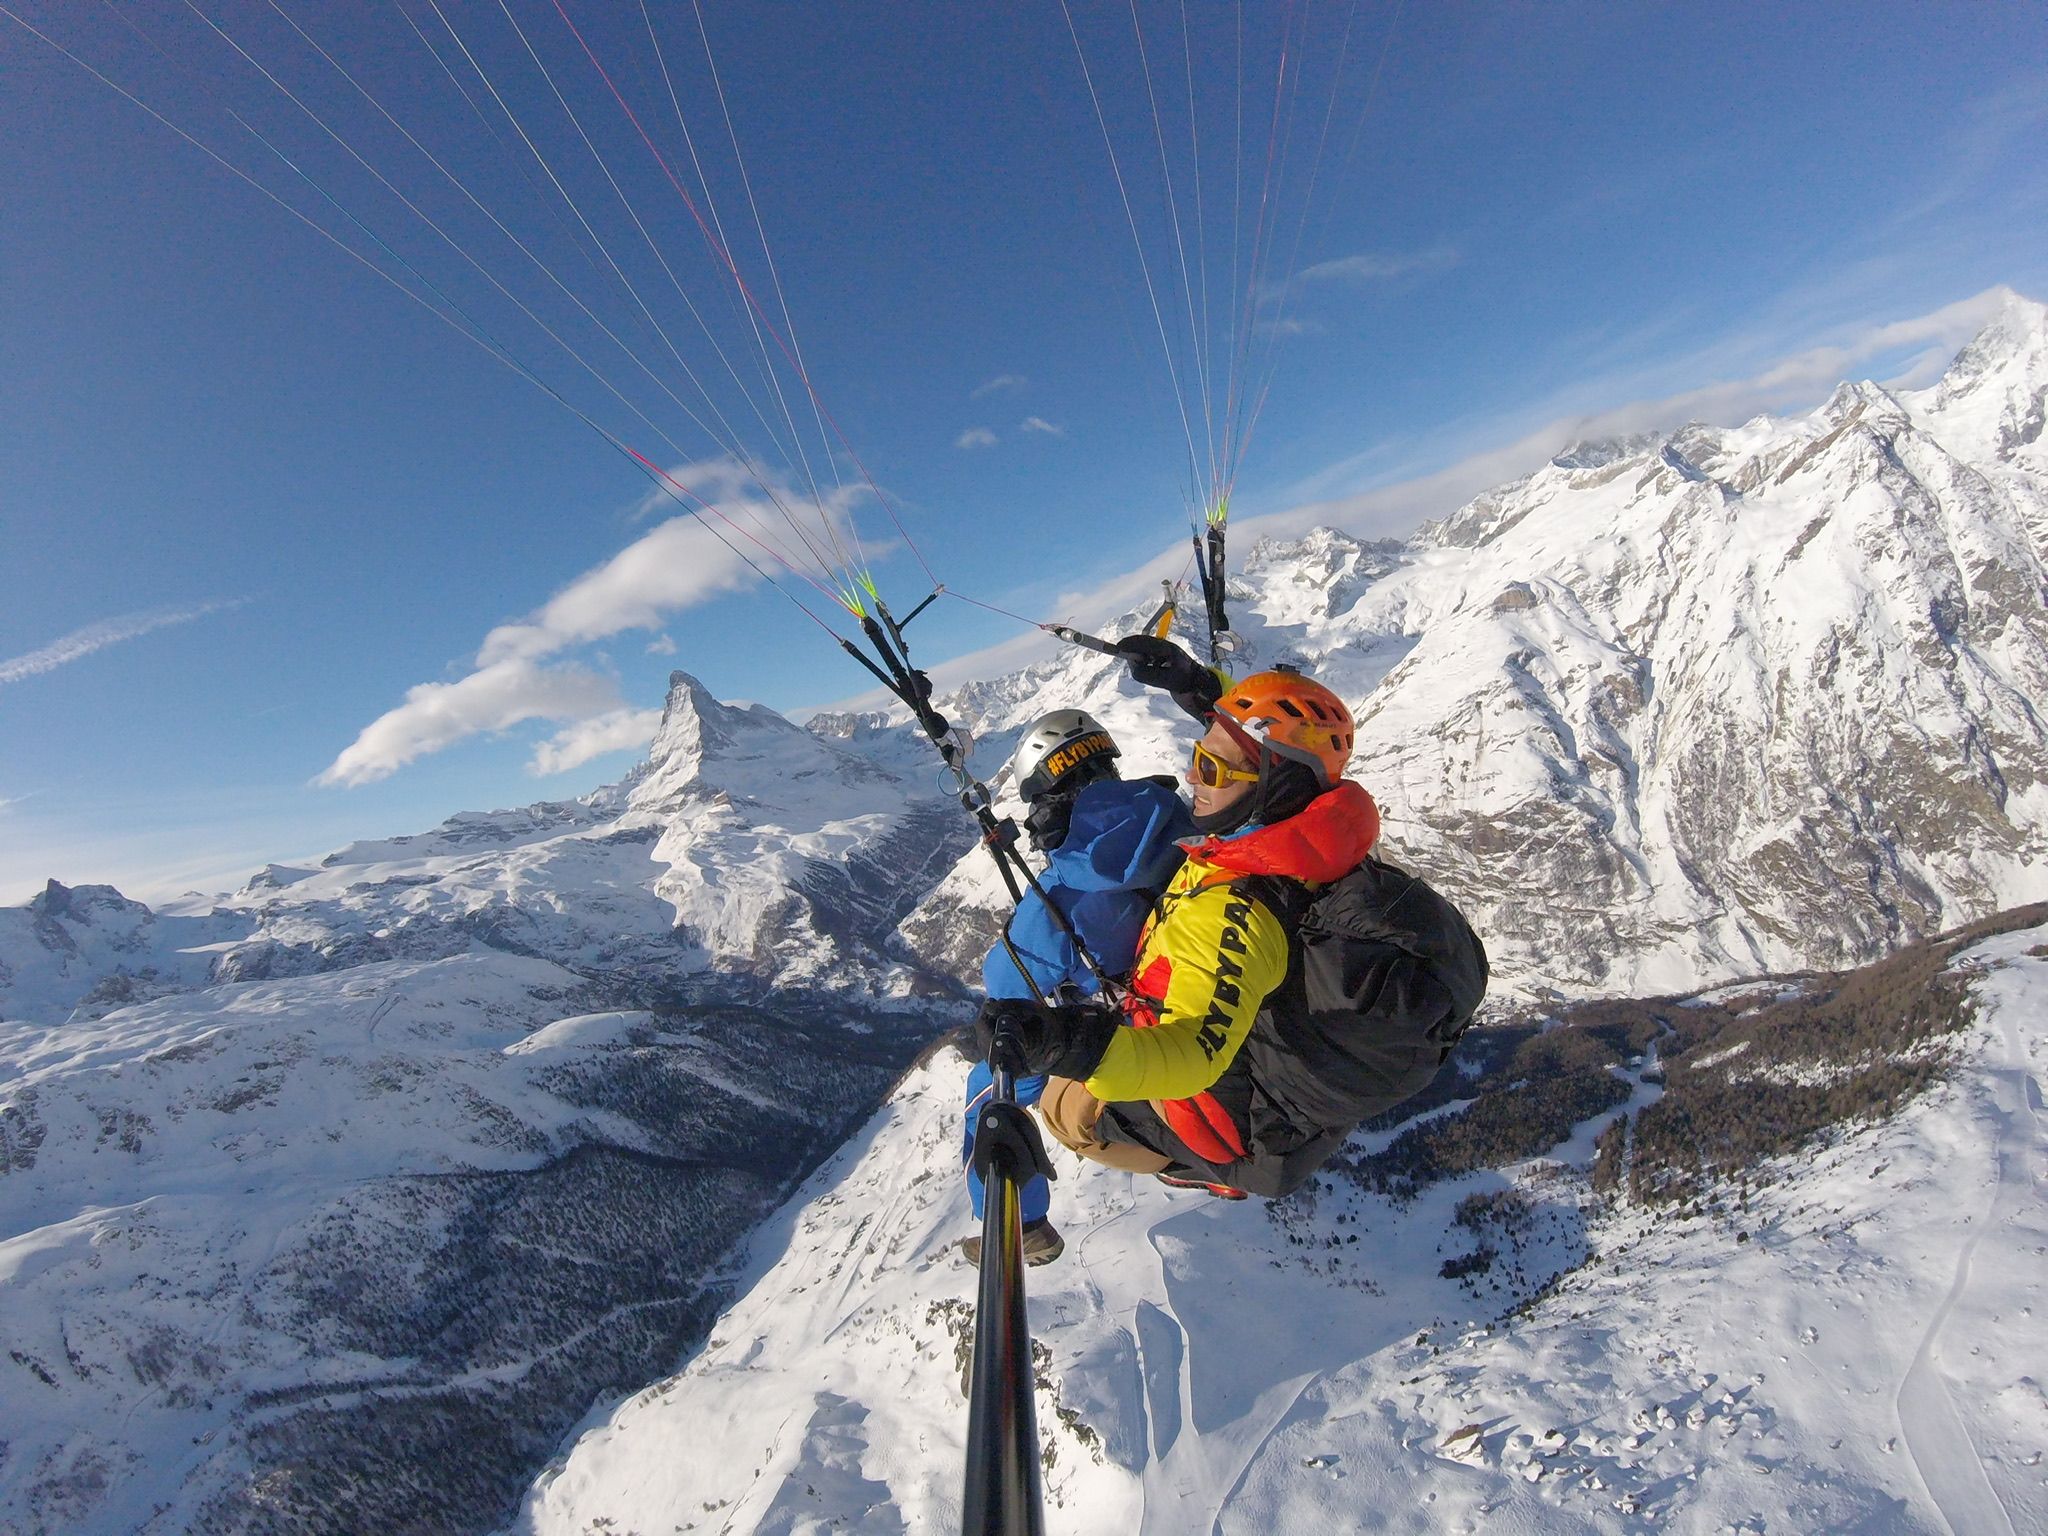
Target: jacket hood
1324 842
1124 833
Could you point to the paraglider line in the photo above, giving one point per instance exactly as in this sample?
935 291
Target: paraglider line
718 248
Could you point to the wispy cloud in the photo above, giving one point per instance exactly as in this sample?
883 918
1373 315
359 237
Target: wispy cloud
81 643
617 731
1796 380
975 437
1357 271
1002 383
1991 128
1379 266
1040 424
661 645
669 568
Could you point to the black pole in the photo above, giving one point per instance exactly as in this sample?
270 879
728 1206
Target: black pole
1001 1494
1214 591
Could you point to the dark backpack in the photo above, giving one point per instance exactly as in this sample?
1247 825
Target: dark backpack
1383 976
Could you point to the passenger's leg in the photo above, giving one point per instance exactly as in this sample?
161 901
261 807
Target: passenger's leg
981 1084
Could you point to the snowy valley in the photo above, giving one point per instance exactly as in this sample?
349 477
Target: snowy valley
354 1199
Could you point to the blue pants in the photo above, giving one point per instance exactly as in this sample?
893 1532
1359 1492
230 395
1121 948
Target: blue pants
981 1083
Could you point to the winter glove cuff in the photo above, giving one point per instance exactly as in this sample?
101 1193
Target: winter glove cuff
1159 663
1086 1034
1065 1041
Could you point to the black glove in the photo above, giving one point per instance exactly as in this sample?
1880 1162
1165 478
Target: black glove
1159 663
1065 1041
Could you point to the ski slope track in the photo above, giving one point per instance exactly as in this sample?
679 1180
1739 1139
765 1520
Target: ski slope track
1866 1356
352 1199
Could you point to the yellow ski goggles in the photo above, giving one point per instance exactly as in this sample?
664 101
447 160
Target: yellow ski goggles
1212 772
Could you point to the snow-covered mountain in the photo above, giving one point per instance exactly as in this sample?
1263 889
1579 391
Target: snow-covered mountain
90 948
332 1208
1691 705
335 1202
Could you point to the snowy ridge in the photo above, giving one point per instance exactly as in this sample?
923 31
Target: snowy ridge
1688 705
90 947
1859 1345
248 1158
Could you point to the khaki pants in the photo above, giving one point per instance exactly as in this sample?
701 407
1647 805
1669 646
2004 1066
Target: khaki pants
1073 1114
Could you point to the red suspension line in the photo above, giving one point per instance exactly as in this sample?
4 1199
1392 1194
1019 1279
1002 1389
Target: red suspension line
718 249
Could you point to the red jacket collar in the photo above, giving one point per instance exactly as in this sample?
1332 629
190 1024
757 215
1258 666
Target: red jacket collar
1328 839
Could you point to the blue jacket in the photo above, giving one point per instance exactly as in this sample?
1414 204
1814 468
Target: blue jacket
1122 847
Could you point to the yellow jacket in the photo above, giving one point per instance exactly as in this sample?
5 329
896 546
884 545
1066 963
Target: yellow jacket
1210 956
1207 958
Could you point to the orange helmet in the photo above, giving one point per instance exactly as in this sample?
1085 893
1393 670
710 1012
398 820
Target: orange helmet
1295 716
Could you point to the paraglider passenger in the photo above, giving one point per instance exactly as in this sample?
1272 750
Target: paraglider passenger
1111 846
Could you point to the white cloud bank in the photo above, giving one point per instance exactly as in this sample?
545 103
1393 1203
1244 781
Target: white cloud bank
673 566
81 643
492 698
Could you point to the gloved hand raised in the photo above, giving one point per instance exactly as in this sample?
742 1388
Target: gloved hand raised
1064 1041
1159 663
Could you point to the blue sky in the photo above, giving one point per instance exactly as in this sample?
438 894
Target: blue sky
252 497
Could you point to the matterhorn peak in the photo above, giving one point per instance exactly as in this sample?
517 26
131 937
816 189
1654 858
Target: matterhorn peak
692 721
706 748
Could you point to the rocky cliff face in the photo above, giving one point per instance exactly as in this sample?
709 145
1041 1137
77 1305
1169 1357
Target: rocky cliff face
1726 701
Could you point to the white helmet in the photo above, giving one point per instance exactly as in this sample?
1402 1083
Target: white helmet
1059 746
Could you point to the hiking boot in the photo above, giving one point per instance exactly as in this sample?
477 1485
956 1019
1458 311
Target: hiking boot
1220 1191
1042 1243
